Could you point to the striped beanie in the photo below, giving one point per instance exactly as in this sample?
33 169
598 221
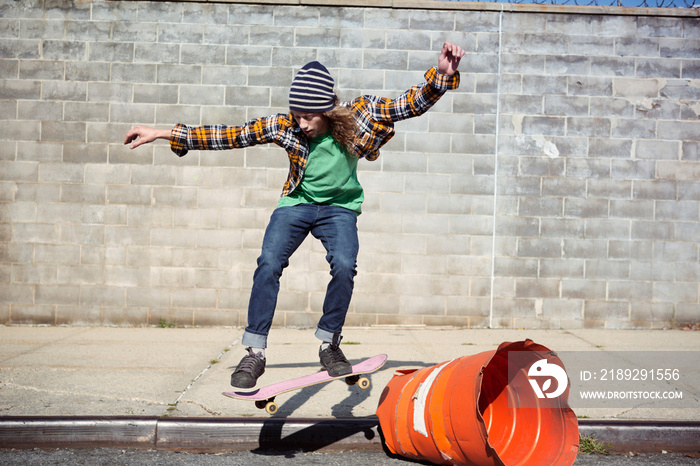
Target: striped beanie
312 89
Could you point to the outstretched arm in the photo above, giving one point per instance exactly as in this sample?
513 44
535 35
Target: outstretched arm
144 134
450 55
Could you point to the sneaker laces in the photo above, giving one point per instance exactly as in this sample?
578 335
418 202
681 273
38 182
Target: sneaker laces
336 354
249 362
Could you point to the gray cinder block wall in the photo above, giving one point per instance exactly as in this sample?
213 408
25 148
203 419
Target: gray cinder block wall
558 188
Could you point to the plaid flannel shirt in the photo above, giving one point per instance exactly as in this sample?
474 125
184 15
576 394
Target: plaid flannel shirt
374 117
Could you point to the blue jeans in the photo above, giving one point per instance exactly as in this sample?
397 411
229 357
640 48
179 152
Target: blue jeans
336 228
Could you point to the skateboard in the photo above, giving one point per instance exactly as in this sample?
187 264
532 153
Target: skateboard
265 397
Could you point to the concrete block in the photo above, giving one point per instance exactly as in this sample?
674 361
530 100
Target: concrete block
194 299
223 318
98 254
518 186
652 230
39 152
56 254
571 187
422 305
654 189
610 310
586 208
517 226
38 110
537 288
584 248
83 111
281 36
120 235
588 168
64 50
566 105
37 29
41 69
57 295
633 169
35 233
130 195
610 229
191 257
607 269
131 72
149 256
201 54
658 68
603 147
386 60
562 268
156 53
676 292
562 228
687 231
109 92
640 209
111 51
505 310
686 313
153 216
541 207
205 14
683 211
632 250
674 252
20 89
688 190
387 18
20 48
585 126
63 131
617 189
37 315
155 94
35 274
666 150
612 107
128 30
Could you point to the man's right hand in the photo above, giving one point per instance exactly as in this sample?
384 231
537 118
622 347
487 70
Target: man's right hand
143 134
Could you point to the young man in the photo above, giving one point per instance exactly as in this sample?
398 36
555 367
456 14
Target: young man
324 140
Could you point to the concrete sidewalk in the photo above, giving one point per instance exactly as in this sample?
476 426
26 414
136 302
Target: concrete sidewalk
78 371
176 376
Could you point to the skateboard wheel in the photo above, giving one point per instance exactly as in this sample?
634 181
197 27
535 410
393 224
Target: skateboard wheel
363 383
260 404
271 407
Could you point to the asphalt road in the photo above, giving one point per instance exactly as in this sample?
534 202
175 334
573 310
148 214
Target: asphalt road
248 458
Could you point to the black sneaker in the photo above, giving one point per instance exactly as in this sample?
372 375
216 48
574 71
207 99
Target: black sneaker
333 359
249 369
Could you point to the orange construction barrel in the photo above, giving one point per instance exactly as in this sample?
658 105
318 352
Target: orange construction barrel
492 408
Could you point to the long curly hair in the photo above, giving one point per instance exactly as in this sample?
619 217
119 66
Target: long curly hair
342 123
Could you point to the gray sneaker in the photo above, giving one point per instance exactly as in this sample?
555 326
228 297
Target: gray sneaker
249 369
333 359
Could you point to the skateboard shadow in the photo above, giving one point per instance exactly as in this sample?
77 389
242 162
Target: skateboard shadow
344 408
325 432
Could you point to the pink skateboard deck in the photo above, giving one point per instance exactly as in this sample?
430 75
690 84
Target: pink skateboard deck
264 397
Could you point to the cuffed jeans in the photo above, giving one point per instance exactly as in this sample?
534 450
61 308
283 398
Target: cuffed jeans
336 228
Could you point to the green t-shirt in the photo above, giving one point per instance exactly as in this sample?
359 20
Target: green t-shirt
330 177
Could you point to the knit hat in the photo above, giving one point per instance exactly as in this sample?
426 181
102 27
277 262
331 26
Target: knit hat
312 89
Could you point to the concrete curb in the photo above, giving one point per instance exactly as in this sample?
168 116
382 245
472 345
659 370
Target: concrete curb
236 434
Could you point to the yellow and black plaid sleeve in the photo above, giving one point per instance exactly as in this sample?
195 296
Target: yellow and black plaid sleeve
221 137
